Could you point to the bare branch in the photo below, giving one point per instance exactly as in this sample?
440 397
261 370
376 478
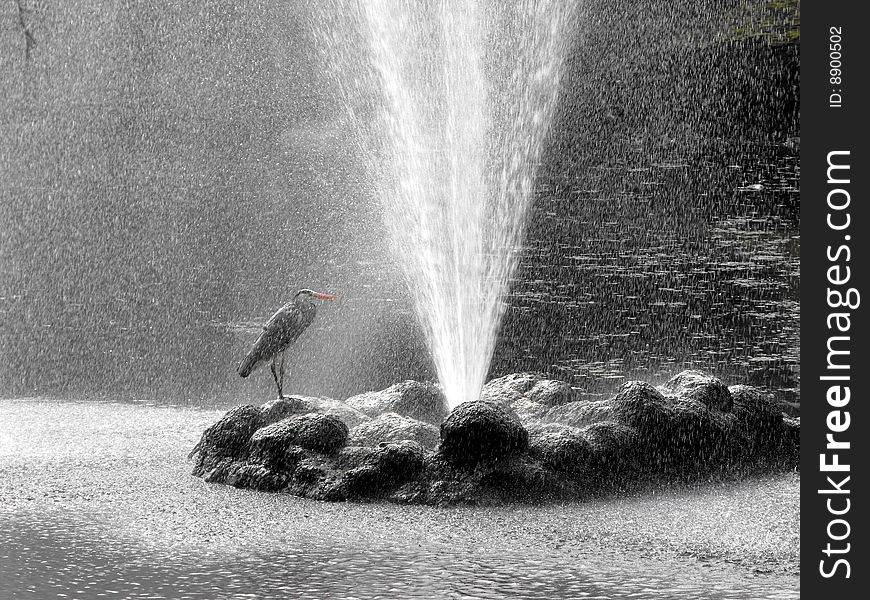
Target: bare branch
28 36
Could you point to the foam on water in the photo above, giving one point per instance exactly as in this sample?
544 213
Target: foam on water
464 92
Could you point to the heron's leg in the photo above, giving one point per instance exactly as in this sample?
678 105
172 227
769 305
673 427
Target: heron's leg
281 372
275 375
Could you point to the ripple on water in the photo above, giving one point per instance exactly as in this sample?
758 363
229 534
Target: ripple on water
66 557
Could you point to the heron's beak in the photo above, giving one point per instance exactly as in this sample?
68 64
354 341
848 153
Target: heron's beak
326 296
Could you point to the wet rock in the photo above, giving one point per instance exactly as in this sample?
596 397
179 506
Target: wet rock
487 455
314 431
281 408
701 438
256 476
509 388
351 457
752 406
699 386
390 466
515 388
561 448
481 430
640 405
288 406
759 418
580 413
616 448
231 434
529 412
550 392
790 439
413 492
347 414
519 477
418 400
392 427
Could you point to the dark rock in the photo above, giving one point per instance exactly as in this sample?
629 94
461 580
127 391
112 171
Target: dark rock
616 449
790 436
398 461
322 433
231 434
640 405
752 406
519 477
759 418
390 466
276 453
256 476
701 438
351 457
413 492
418 400
561 448
580 413
481 430
699 386
487 456
392 427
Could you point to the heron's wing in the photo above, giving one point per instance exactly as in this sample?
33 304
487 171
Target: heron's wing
280 331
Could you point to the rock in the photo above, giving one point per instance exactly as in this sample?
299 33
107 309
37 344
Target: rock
640 405
481 430
751 406
231 434
699 386
519 477
616 448
529 412
702 438
561 448
413 492
418 400
516 387
509 388
347 414
351 457
392 465
790 439
281 408
258 477
759 418
580 413
392 427
276 410
550 392
314 431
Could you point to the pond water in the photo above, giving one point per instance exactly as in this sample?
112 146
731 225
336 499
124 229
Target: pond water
161 204
97 501
617 281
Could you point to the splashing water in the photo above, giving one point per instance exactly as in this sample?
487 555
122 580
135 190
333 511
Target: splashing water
464 95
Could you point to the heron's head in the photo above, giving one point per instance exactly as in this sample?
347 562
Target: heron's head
306 294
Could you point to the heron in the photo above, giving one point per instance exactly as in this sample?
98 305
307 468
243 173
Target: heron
279 332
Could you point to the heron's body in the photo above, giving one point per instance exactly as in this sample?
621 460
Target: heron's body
279 332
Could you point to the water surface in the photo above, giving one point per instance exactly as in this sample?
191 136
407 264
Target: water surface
97 501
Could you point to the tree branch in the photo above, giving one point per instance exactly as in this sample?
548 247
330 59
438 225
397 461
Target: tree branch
28 36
